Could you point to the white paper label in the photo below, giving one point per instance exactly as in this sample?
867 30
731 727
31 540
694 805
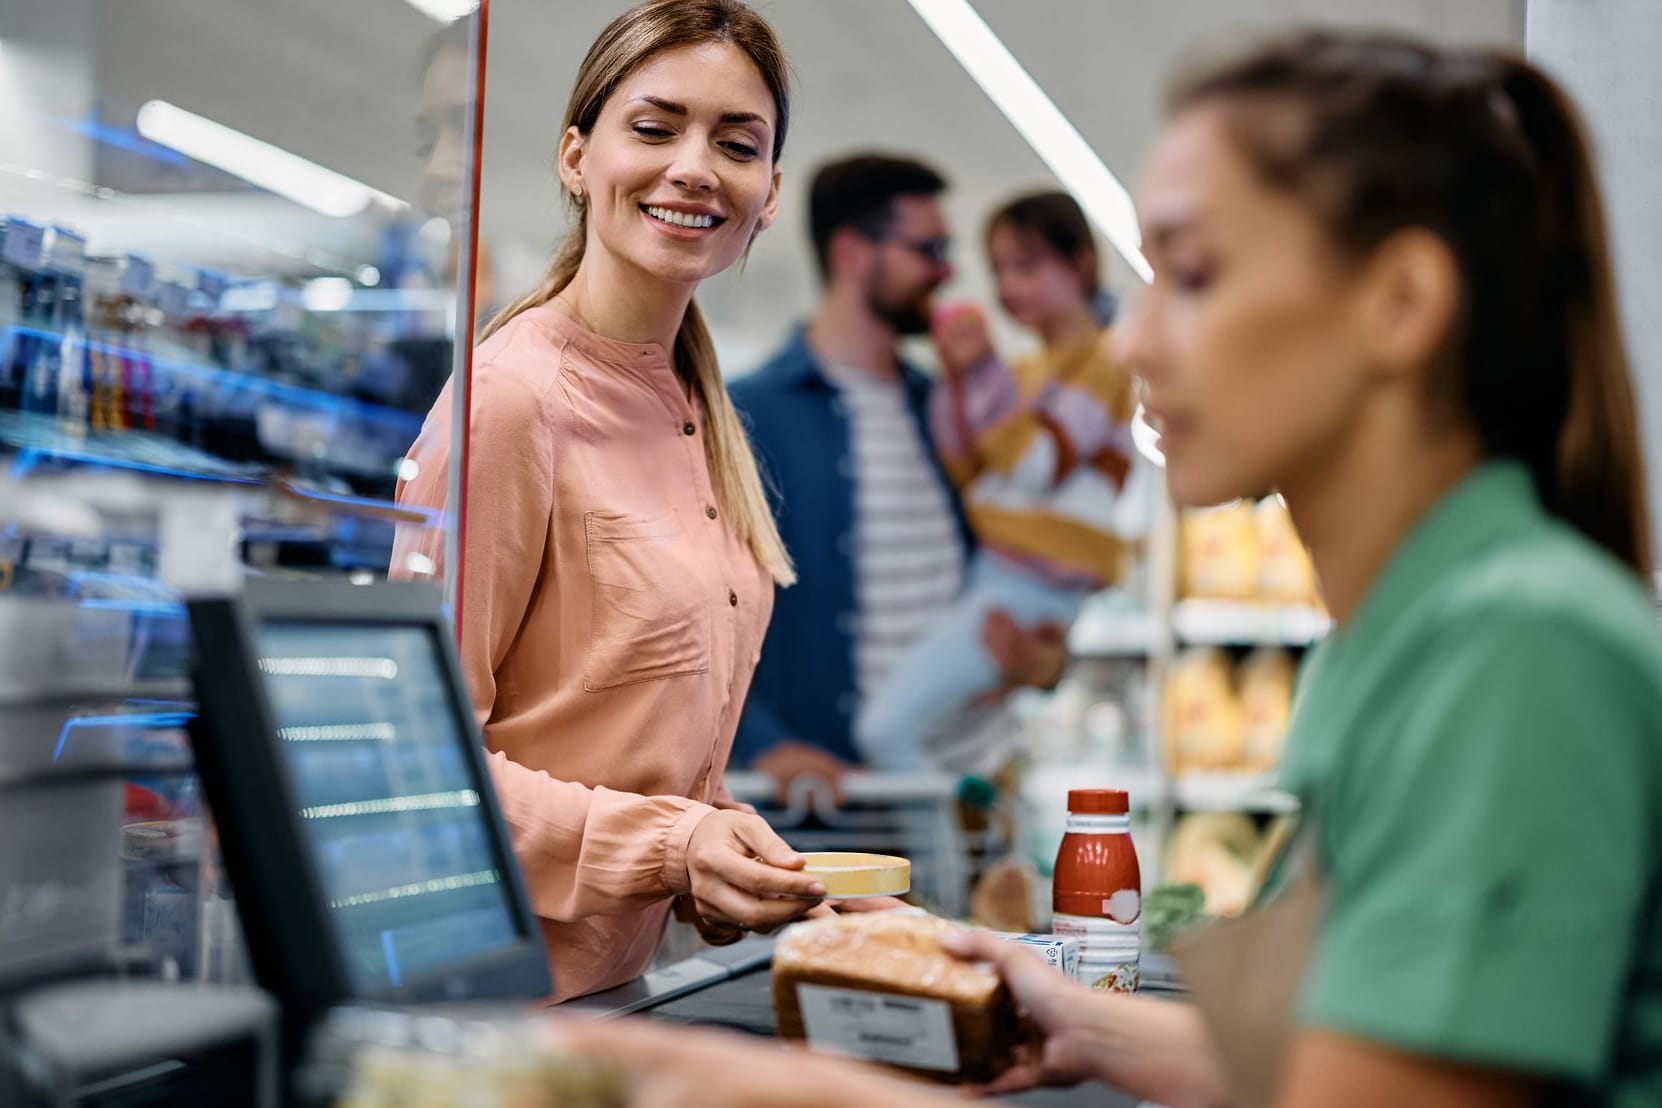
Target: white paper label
879 1027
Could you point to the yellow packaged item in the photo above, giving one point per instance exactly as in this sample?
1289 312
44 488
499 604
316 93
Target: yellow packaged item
1221 560
1267 678
848 876
1217 851
1203 725
1288 577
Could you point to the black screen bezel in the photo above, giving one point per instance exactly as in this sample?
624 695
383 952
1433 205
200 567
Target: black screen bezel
280 896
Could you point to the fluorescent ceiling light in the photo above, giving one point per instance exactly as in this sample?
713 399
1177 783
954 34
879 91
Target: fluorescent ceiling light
326 294
445 11
259 163
985 57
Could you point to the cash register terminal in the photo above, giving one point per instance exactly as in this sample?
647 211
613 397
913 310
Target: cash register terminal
339 752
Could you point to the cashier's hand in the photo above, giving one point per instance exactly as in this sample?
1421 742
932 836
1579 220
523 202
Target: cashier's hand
743 875
1049 1002
674 1067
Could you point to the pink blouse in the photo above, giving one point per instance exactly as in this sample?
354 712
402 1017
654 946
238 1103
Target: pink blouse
610 620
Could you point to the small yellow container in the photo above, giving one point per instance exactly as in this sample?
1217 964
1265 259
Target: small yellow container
855 876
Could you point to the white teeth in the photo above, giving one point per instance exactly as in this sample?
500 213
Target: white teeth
681 219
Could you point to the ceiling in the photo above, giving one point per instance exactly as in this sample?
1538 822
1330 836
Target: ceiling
338 82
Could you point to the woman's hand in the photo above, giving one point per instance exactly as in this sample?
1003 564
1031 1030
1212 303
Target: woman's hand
743 875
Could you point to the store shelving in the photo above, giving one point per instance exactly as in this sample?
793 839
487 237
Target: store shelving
1125 651
1230 792
1115 634
1230 623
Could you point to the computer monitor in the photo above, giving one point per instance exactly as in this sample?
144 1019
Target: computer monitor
346 773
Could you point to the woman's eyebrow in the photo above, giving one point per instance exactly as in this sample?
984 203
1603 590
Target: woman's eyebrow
673 108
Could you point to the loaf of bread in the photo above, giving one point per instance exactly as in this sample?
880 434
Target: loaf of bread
879 986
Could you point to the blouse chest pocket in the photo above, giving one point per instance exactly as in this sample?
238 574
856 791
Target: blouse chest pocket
648 618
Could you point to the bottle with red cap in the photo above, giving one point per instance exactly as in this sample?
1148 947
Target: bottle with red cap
1098 899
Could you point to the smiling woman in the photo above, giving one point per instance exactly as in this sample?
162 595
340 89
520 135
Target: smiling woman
619 571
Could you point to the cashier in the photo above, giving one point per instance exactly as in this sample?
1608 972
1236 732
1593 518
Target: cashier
619 554
1382 286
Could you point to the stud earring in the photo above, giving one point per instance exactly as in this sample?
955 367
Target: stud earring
577 191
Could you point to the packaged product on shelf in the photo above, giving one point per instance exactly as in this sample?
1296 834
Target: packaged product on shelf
1266 678
1203 725
880 986
1220 555
1218 852
1288 575
1003 896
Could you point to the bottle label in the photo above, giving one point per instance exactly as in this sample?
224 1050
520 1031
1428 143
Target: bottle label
1109 952
879 1027
1115 977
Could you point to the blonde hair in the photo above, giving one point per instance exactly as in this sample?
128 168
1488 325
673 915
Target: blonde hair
626 44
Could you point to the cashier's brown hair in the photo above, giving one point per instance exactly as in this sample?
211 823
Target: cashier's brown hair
627 43
1378 134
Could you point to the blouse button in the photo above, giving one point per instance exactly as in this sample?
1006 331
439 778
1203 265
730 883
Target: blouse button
710 510
732 598
689 429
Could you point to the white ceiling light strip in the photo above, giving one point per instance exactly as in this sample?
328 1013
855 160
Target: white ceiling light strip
259 163
1039 121
445 11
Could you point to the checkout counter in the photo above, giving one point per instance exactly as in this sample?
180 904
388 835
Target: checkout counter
371 867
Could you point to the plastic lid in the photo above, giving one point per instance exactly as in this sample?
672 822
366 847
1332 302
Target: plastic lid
1099 802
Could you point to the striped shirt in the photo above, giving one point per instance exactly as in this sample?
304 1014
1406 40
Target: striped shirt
909 564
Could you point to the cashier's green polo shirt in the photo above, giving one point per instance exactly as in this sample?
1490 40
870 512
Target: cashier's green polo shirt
1480 749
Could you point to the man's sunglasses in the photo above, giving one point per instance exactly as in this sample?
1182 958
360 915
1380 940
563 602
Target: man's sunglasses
936 251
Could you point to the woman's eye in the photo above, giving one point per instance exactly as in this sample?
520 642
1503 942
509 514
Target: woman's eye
740 149
652 130
1190 279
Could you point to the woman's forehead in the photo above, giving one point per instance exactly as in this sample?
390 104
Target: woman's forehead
704 79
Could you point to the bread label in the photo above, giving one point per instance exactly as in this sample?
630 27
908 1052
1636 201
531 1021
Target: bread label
879 1027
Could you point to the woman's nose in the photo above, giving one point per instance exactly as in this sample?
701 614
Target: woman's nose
692 169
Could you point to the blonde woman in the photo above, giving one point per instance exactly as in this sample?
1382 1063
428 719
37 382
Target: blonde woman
619 557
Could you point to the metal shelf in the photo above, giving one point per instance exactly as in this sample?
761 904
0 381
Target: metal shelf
1102 635
1226 623
1230 792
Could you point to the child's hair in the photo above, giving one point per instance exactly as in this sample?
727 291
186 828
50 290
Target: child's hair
1055 219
